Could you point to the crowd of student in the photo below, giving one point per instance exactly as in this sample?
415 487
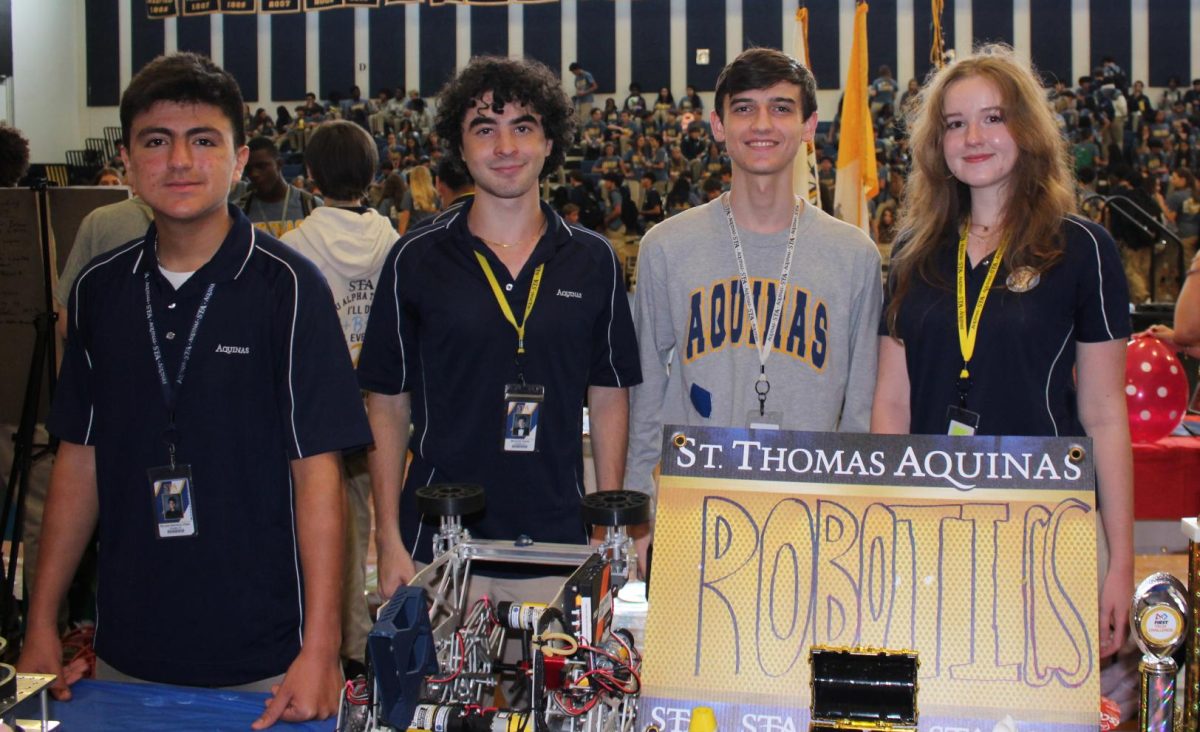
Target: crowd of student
652 156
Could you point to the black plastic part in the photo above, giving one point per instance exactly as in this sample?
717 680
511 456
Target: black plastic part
616 508
450 499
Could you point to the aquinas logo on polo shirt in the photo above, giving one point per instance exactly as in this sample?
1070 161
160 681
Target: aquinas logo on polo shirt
570 294
233 350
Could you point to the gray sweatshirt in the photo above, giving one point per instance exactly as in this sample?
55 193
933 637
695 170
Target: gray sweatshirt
699 358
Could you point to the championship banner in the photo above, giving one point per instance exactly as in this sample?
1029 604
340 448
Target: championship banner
362 3
161 8
200 7
280 6
322 4
237 7
978 554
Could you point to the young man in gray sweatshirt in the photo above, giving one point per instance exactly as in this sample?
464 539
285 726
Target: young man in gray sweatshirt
699 336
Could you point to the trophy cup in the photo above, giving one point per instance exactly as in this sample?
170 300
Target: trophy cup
1159 621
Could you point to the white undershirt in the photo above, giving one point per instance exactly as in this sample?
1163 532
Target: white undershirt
175 278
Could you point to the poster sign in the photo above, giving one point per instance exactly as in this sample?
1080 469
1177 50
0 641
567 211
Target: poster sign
237 7
161 8
200 7
280 6
977 553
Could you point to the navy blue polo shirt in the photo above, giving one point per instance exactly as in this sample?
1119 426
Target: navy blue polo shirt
268 381
437 332
1022 368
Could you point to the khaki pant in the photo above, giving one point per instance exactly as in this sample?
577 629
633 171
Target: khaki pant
356 615
1137 273
104 672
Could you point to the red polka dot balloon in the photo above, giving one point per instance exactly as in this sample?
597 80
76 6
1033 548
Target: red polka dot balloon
1156 390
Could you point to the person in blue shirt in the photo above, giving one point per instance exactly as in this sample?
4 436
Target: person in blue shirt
204 360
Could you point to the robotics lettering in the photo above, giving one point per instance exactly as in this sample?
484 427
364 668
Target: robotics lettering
815 570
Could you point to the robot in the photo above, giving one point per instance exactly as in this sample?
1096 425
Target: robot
435 656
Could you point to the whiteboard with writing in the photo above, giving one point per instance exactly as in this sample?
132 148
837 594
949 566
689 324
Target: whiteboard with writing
978 553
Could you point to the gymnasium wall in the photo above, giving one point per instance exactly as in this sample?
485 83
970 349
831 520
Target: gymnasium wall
90 49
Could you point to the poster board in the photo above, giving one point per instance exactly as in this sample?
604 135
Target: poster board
22 294
978 553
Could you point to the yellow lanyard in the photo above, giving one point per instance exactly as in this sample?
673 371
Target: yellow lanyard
504 308
967 335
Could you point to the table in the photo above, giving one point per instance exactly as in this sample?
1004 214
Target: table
1166 479
105 705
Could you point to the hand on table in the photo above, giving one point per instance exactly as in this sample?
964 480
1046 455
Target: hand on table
310 690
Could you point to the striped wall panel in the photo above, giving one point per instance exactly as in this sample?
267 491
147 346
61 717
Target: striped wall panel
923 36
647 57
760 22
335 58
1050 38
149 38
489 31
543 34
194 34
1169 47
386 49
288 57
824 39
705 29
102 34
650 55
1110 21
992 21
437 51
881 38
595 30
240 48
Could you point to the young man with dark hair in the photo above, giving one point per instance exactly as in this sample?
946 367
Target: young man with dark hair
271 203
715 356
14 156
348 242
497 308
204 361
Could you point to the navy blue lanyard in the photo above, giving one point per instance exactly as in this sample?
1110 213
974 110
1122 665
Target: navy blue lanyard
170 389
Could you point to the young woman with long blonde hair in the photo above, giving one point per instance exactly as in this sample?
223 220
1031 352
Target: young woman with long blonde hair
987 228
420 200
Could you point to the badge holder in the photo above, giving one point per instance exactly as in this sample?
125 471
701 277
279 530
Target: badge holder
173 501
761 419
961 422
522 415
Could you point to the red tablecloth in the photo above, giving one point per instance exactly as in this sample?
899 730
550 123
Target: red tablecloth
1166 479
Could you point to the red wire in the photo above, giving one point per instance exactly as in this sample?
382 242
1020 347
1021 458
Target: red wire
462 656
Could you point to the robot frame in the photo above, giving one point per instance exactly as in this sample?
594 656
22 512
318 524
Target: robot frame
436 657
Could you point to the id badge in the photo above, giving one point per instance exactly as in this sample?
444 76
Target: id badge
522 413
767 421
172 499
961 422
